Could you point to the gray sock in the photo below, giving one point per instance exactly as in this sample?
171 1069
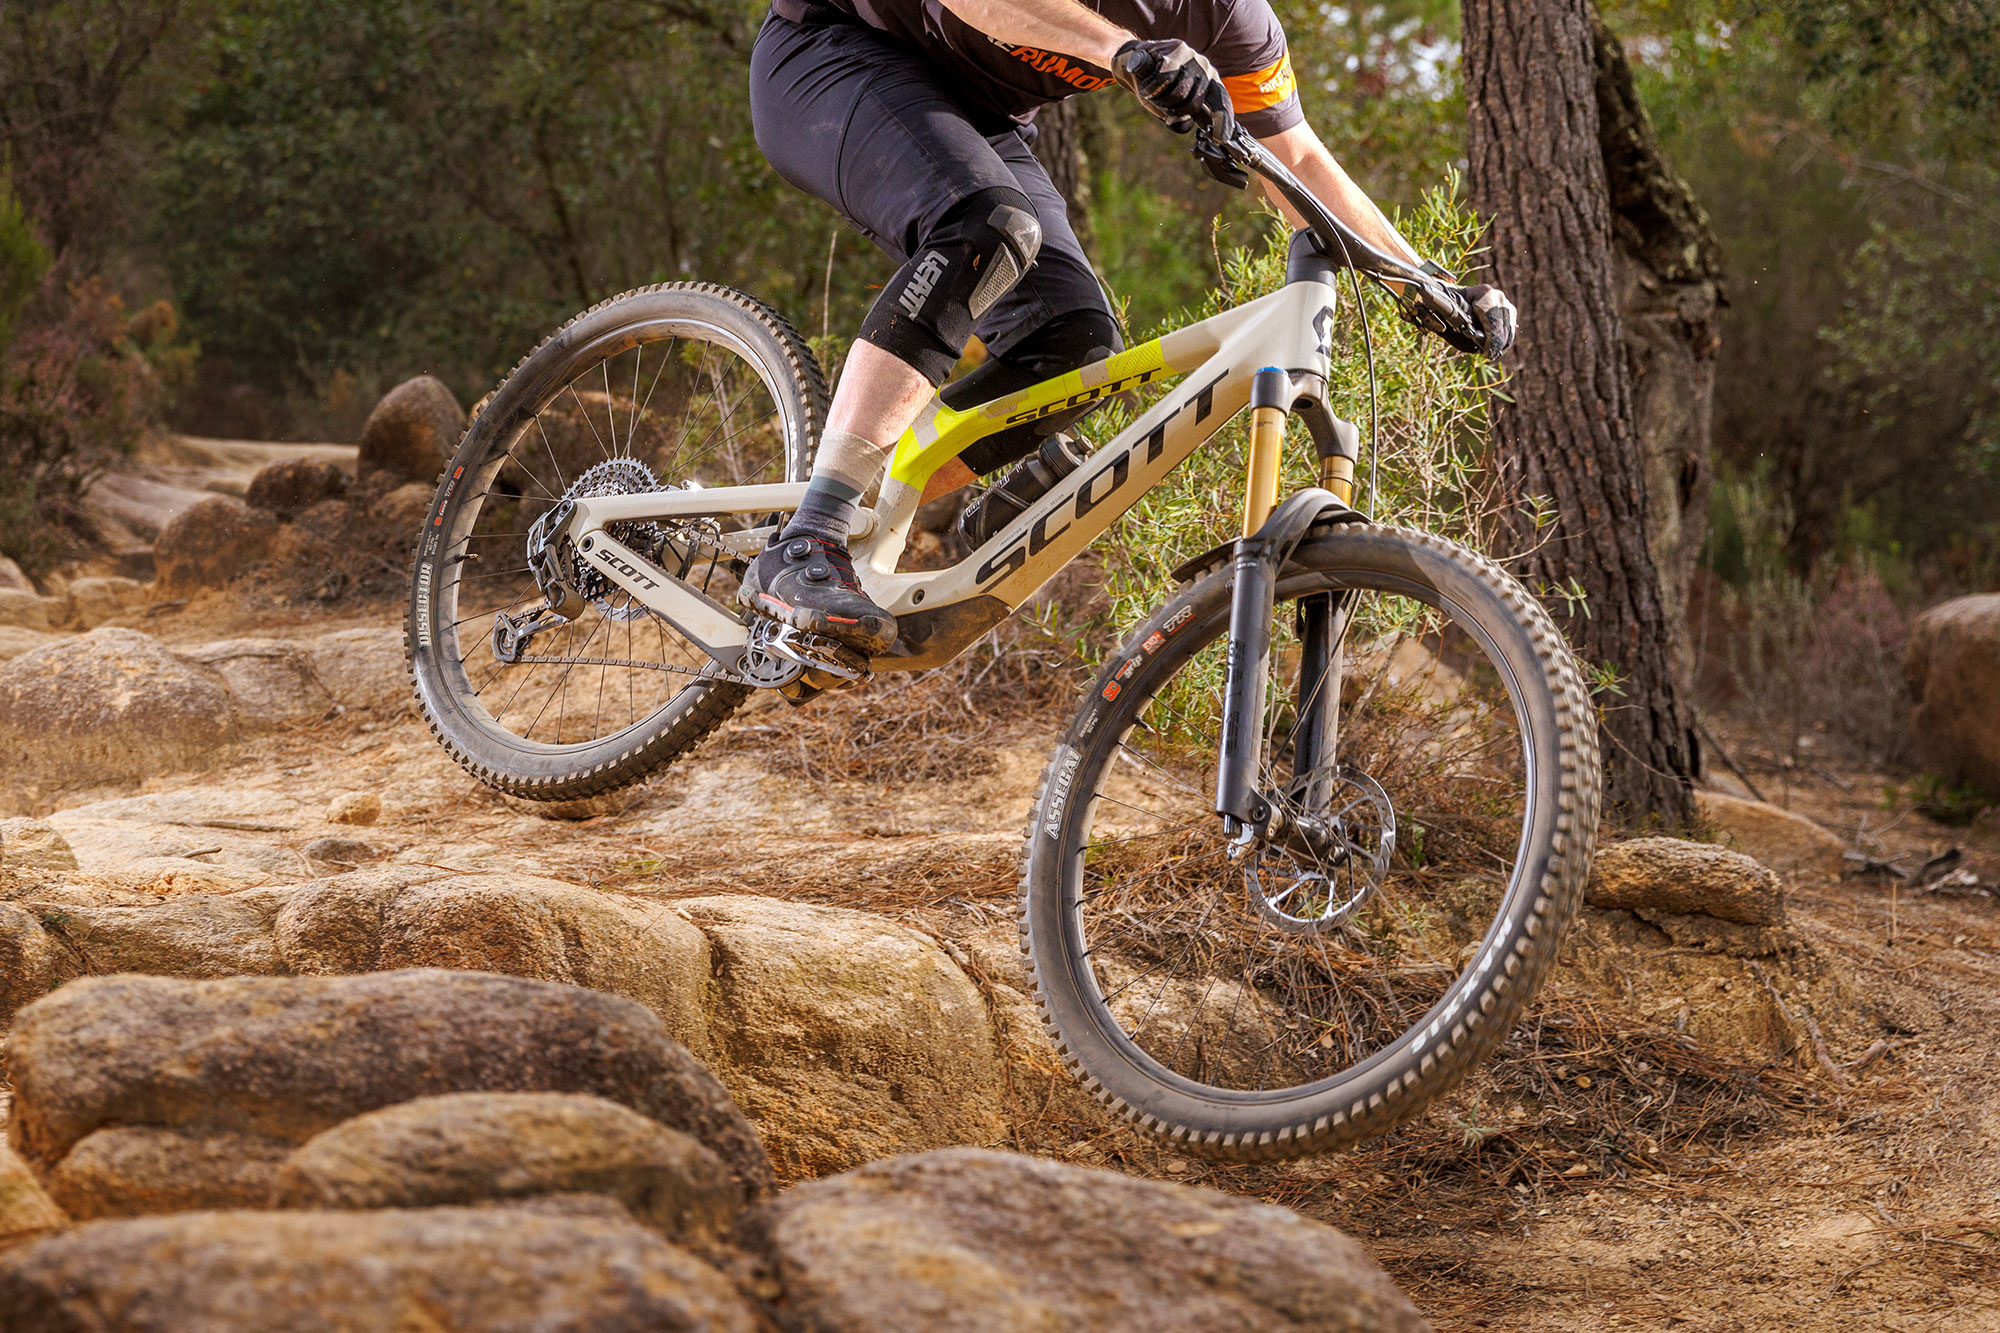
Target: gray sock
846 467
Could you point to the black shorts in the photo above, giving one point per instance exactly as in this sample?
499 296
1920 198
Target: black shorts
851 116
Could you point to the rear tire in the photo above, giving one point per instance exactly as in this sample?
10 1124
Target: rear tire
1415 993
497 482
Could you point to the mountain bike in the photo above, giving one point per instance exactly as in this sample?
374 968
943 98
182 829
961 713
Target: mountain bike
1310 841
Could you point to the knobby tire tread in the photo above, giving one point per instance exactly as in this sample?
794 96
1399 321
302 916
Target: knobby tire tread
676 737
1486 1018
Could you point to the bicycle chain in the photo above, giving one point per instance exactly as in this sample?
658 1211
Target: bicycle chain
704 673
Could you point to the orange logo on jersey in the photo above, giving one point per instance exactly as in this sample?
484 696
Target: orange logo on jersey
1058 67
1262 88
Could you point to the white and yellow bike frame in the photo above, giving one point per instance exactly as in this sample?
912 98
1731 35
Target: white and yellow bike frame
942 611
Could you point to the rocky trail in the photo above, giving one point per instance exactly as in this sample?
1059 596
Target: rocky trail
731 1047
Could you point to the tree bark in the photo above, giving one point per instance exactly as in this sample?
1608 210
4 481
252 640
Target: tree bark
1569 436
1059 144
1669 279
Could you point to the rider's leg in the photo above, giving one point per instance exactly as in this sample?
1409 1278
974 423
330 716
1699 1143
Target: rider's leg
913 336
866 125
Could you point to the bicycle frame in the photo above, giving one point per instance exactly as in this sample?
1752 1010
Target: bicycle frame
940 612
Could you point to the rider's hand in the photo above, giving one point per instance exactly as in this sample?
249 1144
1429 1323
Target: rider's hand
1496 314
1175 83
1447 313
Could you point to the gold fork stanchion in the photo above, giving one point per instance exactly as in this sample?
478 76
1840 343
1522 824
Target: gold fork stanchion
1270 393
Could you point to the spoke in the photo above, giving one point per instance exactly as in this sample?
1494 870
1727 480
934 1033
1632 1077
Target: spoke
560 479
610 413
584 412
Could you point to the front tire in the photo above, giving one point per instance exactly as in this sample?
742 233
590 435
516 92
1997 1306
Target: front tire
1245 1019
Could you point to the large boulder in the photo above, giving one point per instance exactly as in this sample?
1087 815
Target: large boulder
272 679
192 935
93 601
844 1036
12 579
362 668
26 609
517 926
472 1146
965 1239
31 962
26 1211
405 508
138 1170
290 488
288 1058
14 641
211 544
1689 878
1789 844
30 844
412 431
320 1272
1954 672
112 703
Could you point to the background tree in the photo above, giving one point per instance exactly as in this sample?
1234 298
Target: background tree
1667 269
1568 434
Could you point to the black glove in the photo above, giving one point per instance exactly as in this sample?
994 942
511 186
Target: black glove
1496 314
1473 319
1176 84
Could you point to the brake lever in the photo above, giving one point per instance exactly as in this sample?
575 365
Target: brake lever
1440 310
1218 163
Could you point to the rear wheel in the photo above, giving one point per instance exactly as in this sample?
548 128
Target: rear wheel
661 388
1323 981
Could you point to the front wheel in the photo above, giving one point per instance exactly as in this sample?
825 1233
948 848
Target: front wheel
1322 981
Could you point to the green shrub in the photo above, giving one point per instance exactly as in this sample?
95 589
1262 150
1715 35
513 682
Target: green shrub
23 261
1427 442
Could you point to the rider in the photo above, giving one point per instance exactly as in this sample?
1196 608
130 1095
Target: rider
912 118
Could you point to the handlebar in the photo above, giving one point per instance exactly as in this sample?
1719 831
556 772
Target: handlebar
1436 306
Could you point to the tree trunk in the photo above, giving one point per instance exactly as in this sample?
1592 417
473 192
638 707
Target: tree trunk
1569 435
1059 144
1669 280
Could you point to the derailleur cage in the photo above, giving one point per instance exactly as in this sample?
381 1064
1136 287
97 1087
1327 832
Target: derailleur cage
512 634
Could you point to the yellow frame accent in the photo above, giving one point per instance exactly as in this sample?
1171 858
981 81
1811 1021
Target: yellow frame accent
942 433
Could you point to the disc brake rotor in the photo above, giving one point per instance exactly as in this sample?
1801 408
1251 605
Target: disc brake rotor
1316 870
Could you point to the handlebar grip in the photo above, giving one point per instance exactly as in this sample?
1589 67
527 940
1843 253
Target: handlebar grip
1443 310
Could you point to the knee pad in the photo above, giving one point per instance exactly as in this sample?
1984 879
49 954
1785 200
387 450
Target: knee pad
1074 338
972 257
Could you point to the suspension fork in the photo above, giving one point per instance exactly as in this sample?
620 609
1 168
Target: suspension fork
1270 532
1253 601
1322 630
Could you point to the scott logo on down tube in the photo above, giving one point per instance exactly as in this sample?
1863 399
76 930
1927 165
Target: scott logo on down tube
1089 496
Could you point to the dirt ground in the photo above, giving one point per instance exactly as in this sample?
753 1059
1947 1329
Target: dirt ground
1601 1173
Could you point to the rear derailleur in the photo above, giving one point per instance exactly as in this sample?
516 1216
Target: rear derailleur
562 601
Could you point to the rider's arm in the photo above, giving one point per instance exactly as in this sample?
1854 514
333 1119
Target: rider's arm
1300 149
1062 26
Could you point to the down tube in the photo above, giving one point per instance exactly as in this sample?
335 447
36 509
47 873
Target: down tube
1088 501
